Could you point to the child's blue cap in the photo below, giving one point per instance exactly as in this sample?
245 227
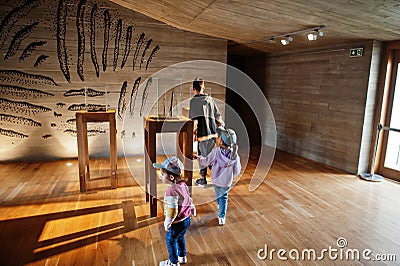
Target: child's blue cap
171 164
228 135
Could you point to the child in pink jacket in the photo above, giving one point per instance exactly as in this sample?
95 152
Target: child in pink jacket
177 209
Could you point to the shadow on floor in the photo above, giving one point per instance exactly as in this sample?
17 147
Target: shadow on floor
20 238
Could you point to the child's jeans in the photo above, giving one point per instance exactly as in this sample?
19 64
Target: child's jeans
221 195
176 243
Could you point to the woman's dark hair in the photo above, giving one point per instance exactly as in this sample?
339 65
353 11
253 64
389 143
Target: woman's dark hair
197 84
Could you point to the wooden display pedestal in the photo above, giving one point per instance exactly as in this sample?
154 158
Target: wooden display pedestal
184 144
82 118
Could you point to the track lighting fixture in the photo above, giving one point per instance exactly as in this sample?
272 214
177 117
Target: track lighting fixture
312 35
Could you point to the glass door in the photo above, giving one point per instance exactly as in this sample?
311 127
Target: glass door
389 164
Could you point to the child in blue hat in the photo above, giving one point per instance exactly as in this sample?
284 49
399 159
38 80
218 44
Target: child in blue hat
177 208
226 165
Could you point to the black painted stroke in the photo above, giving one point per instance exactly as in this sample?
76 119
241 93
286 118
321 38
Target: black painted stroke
46 136
139 43
56 114
152 55
71 132
61 31
40 60
81 38
26 93
148 43
90 132
18 38
71 121
30 49
134 94
107 25
145 94
128 40
93 39
13 17
19 120
81 92
22 107
12 133
89 107
122 100
171 105
118 33
22 78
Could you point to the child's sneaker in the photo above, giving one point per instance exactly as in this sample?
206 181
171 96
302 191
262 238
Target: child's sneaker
168 263
221 221
182 260
202 182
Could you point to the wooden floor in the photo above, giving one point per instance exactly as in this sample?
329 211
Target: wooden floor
44 220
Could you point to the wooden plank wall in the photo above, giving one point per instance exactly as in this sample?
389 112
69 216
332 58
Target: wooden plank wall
37 112
319 100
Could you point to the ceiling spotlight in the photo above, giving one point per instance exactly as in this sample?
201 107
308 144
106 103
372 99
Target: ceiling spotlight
286 40
312 36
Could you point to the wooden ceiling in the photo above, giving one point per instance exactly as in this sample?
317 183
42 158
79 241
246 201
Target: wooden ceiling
255 20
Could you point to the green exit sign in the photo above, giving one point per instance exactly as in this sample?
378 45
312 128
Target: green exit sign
354 52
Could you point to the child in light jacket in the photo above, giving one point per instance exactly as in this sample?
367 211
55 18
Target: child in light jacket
226 165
